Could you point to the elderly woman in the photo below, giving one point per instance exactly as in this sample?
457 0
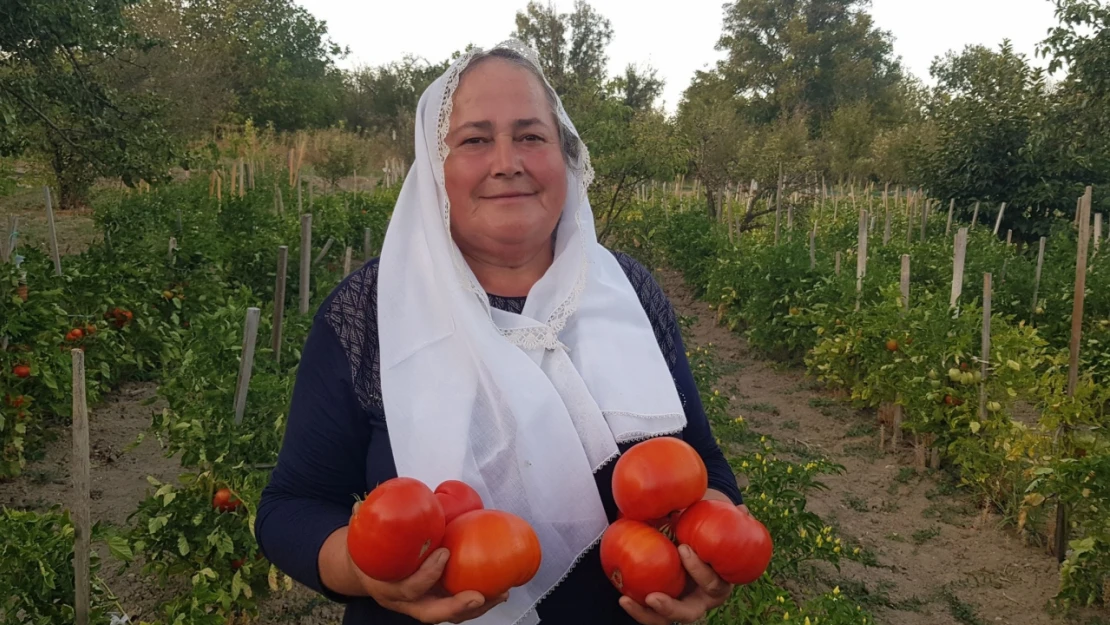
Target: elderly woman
495 342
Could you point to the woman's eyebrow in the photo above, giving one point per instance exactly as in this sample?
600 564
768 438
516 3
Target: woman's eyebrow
487 125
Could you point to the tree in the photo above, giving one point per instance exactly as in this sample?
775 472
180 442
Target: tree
712 131
813 56
59 103
637 88
577 64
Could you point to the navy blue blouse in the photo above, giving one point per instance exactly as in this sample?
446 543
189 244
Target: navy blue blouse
336 448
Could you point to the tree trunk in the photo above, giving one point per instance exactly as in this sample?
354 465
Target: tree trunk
710 200
73 176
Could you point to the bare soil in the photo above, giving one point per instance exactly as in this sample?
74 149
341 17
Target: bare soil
942 559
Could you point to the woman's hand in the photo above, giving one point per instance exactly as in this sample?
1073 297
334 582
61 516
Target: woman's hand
420 596
707 591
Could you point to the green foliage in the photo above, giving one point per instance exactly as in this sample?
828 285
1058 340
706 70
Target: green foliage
571 46
60 105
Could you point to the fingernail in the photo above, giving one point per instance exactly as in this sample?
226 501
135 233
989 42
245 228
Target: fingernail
656 603
685 551
474 604
442 557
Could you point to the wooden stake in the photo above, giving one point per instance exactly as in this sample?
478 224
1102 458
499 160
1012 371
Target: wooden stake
959 254
998 222
1098 230
300 203
925 218
246 362
985 357
366 254
905 283
975 215
82 547
861 256
306 261
886 226
53 233
1080 295
948 226
813 248
1037 276
347 262
279 204
324 251
172 247
279 301
837 266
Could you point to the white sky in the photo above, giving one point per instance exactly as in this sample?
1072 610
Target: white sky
676 41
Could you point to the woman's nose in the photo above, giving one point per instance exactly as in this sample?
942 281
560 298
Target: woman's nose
506 161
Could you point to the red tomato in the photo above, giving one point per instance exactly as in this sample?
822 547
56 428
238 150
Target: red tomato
75 334
658 477
15 402
90 329
731 541
395 529
456 498
892 345
491 552
235 564
21 371
639 560
224 501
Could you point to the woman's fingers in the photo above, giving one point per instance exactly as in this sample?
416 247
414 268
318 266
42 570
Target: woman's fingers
702 574
645 616
418 584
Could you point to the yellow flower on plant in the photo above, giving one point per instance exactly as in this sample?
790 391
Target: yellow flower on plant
781 600
786 616
836 590
789 469
836 549
856 551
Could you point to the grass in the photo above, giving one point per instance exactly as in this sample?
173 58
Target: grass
866 450
856 503
920 537
861 429
789 425
961 611
879 597
758 407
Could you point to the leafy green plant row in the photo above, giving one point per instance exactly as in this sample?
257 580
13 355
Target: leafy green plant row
1013 435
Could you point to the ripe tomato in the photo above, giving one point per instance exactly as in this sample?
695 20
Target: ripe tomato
75 335
491 552
235 564
21 371
456 498
90 329
732 542
395 529
14 402
658 477
224 501
891 345
639 560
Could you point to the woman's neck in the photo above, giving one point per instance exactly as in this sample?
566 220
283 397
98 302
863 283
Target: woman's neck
510 278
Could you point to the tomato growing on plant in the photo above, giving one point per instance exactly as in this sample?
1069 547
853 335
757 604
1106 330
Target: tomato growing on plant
891 345
395 529
491 552
225 501
21 371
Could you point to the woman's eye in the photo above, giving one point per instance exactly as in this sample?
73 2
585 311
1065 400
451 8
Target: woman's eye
473 140
533 138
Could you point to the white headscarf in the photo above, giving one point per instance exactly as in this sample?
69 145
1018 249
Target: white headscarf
524 408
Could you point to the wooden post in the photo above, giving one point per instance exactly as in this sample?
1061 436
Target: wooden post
366 254
1037 275
975 215
861 256
925 218
837 265
886 225
948 226
82 547
53 233
778 205
306 260
324 251
279 301
347 262
985 358
905 282
910 205
1098 230
813 248
279 205
172 246
1073 348
958 256
242 178
300 202
998 222
246 362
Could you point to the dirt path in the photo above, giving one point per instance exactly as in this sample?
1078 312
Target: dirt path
942 561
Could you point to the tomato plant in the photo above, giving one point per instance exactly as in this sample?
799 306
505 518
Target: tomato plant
491 552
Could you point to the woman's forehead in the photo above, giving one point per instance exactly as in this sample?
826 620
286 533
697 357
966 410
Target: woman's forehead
499 91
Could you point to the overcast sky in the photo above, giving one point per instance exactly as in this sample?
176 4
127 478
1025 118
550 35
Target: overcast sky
676 41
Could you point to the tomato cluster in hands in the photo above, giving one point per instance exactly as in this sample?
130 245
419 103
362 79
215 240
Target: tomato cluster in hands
402 522
659 486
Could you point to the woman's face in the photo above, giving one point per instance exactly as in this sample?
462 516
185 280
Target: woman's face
505 175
